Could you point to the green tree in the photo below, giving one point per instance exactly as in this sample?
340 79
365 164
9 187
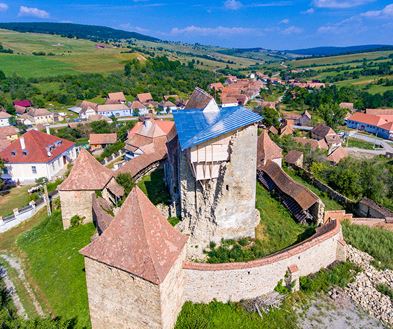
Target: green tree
332 114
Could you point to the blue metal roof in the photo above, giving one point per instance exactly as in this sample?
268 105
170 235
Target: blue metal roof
195 126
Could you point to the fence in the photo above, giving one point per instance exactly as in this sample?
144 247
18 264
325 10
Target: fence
24 213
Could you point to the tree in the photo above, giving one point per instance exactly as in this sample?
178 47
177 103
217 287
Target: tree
332 114
270 117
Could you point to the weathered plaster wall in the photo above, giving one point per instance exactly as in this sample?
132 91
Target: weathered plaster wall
76 203
119 300
222 208
236 281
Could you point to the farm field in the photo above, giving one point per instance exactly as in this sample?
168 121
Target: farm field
75 56
339 59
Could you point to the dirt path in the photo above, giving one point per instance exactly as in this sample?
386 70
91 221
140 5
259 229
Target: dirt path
16 265
12 291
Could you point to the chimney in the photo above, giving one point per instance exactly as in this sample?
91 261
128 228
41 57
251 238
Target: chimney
47 128
22 143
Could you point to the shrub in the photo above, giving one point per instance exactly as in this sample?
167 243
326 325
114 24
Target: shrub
76 220
386 290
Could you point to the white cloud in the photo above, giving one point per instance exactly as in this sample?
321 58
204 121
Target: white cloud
340 4
309 11
233 4
284 21
33 12
383 13
206 31
292 30
3 6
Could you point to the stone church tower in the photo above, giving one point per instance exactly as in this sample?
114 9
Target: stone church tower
216 171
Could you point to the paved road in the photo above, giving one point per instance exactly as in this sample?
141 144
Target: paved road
387 145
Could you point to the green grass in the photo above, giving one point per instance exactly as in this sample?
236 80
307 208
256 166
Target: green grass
216 315
385 289
54 262
340 274
18 197
375 241
30 66
277 230
153 186
353 142
330 204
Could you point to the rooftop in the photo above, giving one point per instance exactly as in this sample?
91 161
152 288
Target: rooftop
267 149
195 126
100 139
39 148
369 119
199 99
87 174
139 241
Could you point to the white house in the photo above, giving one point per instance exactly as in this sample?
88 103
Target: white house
116 110
4 119
35 155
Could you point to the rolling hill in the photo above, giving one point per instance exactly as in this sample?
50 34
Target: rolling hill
89 32
334 51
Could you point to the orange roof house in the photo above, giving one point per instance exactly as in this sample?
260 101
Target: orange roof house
365 118
116 98
144 98
267 150
337 155
102 140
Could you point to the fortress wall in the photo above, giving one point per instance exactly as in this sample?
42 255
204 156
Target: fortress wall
237 281
76 203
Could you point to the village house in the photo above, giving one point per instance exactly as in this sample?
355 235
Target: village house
295 158
371 123
4 119
323 132
37 117
35 155
147 136
297 119
138 109
88 109
230 79
87 177
347 106
312 143
166 107
98 142
216 149
337 155
145 98
21 106
116 98
7 135
114 110
267 150
216 86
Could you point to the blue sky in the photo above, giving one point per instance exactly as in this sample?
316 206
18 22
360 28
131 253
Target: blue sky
280 24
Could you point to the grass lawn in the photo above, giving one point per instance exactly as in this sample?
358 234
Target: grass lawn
18 197
330 204
55 265
353 142
153 186
375 241
276 231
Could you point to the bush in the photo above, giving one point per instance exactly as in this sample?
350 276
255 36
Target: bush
386 290
76 220
338 274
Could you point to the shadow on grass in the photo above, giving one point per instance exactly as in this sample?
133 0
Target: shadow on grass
155 188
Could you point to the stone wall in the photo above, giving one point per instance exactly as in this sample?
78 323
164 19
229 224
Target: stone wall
120 300
76 203
341 199
222 208
369 208
236 281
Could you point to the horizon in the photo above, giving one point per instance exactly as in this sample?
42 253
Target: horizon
278 25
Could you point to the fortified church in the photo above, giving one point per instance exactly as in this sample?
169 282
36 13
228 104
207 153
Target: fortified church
139 269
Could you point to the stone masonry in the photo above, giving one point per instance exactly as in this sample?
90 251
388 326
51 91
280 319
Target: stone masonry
76 203
222 208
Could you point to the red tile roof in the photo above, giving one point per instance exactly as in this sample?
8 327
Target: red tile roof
4 115
337 155
139 241
144 98
267 149
37 146
102 139
369 119
8 131
387 126
117 97
199 99
87 174
22 103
